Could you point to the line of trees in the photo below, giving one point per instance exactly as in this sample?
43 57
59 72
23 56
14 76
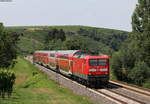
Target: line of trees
8 54
132 62
56 40
113 40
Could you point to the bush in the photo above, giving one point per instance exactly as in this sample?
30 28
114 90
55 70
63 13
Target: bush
147 84
140 73
116 65
7 80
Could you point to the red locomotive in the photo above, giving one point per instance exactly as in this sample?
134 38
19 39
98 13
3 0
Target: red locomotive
82 66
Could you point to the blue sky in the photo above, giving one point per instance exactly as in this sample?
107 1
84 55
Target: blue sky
114 14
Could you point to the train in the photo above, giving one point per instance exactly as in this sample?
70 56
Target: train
82 66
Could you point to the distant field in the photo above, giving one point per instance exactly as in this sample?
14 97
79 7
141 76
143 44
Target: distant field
33 87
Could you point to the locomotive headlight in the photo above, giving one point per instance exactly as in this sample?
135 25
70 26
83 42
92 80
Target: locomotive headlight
92 70
103 69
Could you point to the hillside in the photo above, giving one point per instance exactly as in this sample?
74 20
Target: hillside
33 36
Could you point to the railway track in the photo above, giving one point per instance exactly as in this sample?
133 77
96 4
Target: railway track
135 93
133 88
115 93
121 98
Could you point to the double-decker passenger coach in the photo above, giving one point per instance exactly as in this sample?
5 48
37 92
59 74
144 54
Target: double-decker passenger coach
80 65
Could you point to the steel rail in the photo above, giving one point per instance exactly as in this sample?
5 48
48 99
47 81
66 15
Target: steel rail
132 88
133 99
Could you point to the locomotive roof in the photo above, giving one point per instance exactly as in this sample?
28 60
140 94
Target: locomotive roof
67 51
59 51
45 51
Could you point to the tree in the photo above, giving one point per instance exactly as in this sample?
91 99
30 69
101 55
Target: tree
48 37
141 28
62 35
140 73
73 43
55 45
8 48
54 39
134 55
55 34
141 17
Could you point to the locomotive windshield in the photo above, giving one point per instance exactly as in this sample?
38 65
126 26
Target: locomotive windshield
96 62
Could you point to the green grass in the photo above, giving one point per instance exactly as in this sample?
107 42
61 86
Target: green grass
38 89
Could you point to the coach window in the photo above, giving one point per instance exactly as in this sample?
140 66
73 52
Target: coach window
82 56
52 55
65 56
75 56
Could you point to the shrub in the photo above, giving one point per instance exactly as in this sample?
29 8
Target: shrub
7 80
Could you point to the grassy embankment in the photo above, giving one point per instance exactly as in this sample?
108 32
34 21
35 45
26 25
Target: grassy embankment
33 87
